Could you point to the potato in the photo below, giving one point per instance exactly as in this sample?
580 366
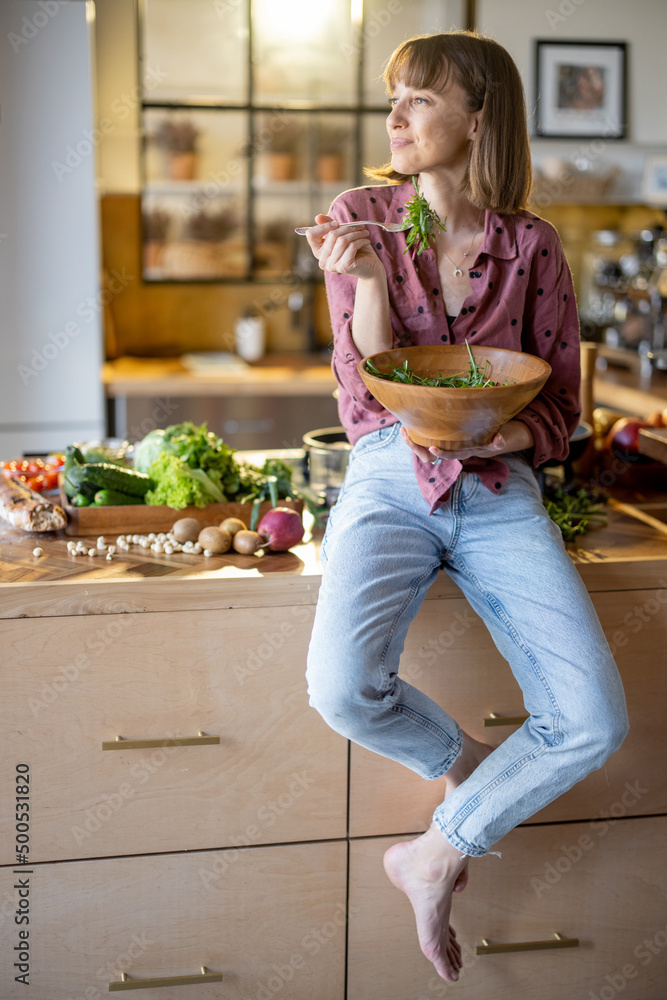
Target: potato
215 540
247 542
232 525
186 529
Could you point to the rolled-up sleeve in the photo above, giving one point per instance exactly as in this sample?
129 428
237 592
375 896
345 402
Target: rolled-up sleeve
551 331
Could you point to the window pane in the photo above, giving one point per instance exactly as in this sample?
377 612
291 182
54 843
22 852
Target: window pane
304 50
375 141
195 50
195 198
384 31
315 163
318 148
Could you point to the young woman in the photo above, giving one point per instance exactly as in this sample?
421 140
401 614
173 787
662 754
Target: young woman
497 276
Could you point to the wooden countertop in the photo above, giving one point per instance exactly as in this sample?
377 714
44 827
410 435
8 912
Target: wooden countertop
279 375
629 553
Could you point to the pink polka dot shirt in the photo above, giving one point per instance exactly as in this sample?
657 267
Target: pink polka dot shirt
522 299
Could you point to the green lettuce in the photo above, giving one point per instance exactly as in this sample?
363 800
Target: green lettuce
198 448
178 486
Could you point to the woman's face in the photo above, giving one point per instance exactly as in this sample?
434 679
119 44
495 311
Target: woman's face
429 130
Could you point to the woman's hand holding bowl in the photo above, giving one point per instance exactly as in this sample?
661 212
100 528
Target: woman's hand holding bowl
512 436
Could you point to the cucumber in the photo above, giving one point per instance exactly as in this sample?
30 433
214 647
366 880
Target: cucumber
79 500
114 498
76 482
111 477
73 461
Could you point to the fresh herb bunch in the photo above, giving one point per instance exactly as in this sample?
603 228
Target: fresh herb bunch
423 223
574 513
475 378
273 481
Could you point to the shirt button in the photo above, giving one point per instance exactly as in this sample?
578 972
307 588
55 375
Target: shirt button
432 479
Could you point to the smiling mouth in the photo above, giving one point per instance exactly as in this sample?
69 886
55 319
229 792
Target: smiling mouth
399 143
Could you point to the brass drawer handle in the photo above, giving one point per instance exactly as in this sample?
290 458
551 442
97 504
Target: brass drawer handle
497 949
165 741
504 720
148 984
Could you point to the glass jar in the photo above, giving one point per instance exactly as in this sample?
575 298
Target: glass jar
603 281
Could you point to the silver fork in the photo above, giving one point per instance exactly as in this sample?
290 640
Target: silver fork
391 227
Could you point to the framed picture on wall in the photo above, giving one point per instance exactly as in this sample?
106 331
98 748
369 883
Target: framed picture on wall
654 179
580 90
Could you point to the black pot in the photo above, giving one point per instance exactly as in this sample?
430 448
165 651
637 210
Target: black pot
579 441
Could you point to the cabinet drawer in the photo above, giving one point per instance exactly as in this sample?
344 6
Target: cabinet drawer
270 919
450 655
608 889
278 773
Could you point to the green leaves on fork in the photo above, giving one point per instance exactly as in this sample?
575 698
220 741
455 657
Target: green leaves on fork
423 223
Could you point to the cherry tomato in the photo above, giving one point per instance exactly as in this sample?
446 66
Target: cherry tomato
50 477
35 483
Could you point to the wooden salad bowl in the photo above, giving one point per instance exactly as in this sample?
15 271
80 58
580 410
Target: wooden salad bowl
452 419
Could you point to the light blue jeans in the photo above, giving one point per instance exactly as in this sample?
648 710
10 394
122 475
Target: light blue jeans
381 553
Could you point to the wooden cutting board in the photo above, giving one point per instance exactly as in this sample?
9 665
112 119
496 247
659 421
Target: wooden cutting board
653 443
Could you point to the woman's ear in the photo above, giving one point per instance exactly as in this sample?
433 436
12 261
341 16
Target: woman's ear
474 125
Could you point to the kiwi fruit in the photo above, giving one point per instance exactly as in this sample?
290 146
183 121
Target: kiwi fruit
186 529
215 540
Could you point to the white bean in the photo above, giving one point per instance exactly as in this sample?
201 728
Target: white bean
37 552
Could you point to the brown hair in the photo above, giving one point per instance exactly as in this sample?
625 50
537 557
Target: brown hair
499 175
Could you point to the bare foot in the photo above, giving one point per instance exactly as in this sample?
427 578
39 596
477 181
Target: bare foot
426 870
471 756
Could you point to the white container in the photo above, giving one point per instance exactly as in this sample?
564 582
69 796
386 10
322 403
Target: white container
250 337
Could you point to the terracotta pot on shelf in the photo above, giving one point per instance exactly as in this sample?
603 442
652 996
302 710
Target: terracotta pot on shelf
153 255
282 166
181 166
329 168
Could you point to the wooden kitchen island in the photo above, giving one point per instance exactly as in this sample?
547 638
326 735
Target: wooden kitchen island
191 818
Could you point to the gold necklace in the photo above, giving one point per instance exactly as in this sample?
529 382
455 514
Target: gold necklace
457 272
